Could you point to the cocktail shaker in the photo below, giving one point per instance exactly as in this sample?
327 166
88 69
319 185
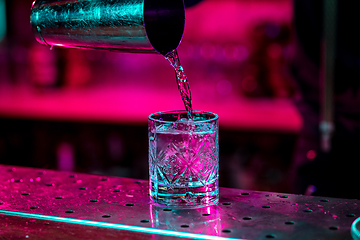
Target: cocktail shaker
119 25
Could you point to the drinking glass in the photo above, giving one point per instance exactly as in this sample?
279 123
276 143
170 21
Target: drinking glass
183 159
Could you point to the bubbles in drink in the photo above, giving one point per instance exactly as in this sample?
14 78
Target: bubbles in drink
183 84
185 124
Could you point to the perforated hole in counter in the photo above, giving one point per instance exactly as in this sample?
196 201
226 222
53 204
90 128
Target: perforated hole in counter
270 236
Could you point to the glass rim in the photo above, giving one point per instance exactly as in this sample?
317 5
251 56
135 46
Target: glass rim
214 117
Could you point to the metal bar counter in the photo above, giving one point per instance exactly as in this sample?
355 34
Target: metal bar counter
47 204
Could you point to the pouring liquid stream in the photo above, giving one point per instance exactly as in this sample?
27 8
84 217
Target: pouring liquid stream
183 84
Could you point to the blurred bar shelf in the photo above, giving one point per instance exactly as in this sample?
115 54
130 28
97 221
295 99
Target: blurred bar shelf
47 204
131 104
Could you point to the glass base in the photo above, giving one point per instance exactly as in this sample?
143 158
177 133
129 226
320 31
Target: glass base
184 197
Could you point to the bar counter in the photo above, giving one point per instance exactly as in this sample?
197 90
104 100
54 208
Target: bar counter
48 204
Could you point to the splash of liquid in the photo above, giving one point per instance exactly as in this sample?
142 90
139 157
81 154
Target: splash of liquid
183 84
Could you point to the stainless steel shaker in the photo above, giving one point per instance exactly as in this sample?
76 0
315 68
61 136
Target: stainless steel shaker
118 25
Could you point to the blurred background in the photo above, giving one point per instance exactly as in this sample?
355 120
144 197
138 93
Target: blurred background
86 111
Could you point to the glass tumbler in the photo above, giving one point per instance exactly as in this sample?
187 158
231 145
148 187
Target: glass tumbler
183 159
